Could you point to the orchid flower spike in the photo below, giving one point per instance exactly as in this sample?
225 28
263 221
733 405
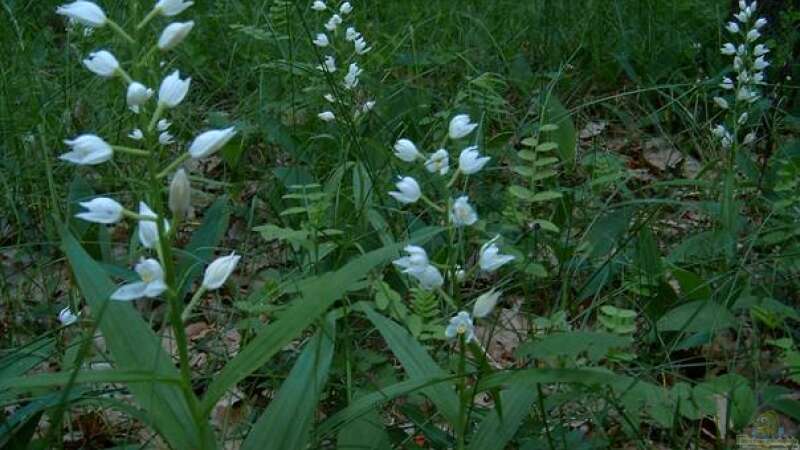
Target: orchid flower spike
151 282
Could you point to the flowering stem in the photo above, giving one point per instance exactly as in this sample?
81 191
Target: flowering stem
430 203
174 165
147 18
461 426
156 115
130 151
192 303
132 215
117 29
454 178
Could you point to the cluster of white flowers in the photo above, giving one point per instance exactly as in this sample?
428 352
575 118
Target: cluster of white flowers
460 214
89 149
327 40
749 62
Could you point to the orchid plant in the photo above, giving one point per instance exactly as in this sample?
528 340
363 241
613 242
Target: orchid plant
155 142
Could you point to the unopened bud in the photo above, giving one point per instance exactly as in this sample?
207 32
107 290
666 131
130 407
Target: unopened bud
180 194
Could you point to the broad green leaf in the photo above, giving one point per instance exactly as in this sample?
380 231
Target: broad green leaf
365 433
416 361
41 380
696 316
134 347
520 192
193 258
546 147
364 404
286 424
495 431
315 297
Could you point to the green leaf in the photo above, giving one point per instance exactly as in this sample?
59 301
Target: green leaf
42 380
574 343
193 258
316 295
365 433
696 316
520 192
416 362
363 405
134 347
565 136
545 196
495 431
286 424
692 286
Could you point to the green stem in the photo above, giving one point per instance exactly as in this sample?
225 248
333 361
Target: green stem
192 303
130 151
156 115
132 215
454 178
174 165
117 29
430 203
461 426
148 18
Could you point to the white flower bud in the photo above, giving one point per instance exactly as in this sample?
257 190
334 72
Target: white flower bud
485 304
101 210
87 150
346 8
326 116
461 126
67 317
405 150
136 134
321 40
721 102
210 142
171 8
174 34
219 270
173 90
470 161
85 13
102 63
137 95
180 194
408 191
318 5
